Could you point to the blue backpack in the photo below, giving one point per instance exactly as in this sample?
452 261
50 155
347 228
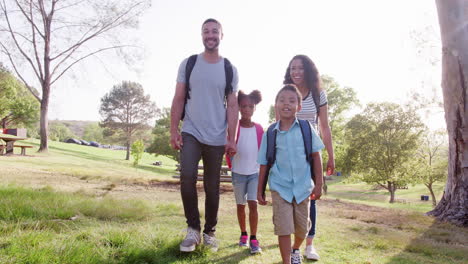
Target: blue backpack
271 147
228 71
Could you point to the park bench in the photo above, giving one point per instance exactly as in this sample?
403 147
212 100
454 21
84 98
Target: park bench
224 176
23 149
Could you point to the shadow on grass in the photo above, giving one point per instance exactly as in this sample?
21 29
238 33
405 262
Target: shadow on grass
440 243
242 254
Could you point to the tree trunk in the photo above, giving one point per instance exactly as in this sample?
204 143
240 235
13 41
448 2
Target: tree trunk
391 189
453 14
44 130
434 201
128 151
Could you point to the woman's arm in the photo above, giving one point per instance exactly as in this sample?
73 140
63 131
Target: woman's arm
325 132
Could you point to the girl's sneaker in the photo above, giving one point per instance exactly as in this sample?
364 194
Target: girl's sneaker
255 247
243 241
311 253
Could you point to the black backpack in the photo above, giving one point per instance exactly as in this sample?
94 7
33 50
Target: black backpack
271 147
228 71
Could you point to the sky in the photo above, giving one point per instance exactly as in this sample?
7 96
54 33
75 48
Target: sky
368 45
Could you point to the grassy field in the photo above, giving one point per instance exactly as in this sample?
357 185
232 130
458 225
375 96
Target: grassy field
80 204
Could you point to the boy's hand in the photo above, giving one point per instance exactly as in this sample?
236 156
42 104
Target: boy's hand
316 193
261 198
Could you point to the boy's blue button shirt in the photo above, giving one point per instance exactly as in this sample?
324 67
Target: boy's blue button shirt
290 174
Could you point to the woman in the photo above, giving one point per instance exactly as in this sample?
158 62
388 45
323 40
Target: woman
303 73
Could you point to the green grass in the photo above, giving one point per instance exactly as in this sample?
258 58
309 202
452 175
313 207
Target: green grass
91 163
79 204
409 199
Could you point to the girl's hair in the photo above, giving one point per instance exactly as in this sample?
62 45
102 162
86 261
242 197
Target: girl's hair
311 77
255 96
293 88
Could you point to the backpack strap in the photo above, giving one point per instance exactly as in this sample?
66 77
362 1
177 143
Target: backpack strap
307 137
270 152
271 144
188 71
228 71
259 130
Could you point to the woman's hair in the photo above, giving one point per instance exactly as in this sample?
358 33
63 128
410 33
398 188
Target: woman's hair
293 88
255 96
311 75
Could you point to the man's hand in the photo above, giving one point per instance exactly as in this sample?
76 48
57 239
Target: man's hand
330 167
230 148
176 140
261 198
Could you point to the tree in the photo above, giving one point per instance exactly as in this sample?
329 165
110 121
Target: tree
93 132
128 109
162 136
271 114
137 151
43 40
432 160
60 132
382 142
340 101
17 105
453 206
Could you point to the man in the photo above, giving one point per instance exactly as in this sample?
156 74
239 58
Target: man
204 132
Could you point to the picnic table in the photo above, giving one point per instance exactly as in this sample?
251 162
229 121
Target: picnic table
224 176
10 144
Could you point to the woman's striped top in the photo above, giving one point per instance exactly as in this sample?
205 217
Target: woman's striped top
309 111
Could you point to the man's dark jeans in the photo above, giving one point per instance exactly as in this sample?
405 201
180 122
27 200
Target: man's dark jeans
191 153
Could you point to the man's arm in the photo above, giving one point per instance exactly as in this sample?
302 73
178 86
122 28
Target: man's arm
232 119
176 113
261 181
318 176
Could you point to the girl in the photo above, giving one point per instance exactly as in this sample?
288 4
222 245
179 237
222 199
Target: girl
245 168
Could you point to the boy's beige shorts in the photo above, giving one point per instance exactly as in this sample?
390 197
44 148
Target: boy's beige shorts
290 218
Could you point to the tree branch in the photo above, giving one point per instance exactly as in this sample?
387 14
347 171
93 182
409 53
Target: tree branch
17 44
78 60
19 74
30 19
33 29
104 28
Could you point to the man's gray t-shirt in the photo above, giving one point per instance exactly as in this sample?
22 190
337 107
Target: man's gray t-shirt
205 112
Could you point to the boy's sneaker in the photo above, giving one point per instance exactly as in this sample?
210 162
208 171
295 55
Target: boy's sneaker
311 253
210 241
192 239
243 241
255 247
296 257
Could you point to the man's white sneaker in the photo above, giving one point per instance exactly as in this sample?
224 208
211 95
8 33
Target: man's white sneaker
210 241
192 239
311 253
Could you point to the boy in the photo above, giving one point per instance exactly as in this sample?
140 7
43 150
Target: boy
290 176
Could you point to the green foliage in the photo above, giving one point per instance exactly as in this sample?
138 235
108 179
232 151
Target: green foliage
128 109
18 107
340 101
383 140
93 132
271 114
432 159
60 132
137 151
161 141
